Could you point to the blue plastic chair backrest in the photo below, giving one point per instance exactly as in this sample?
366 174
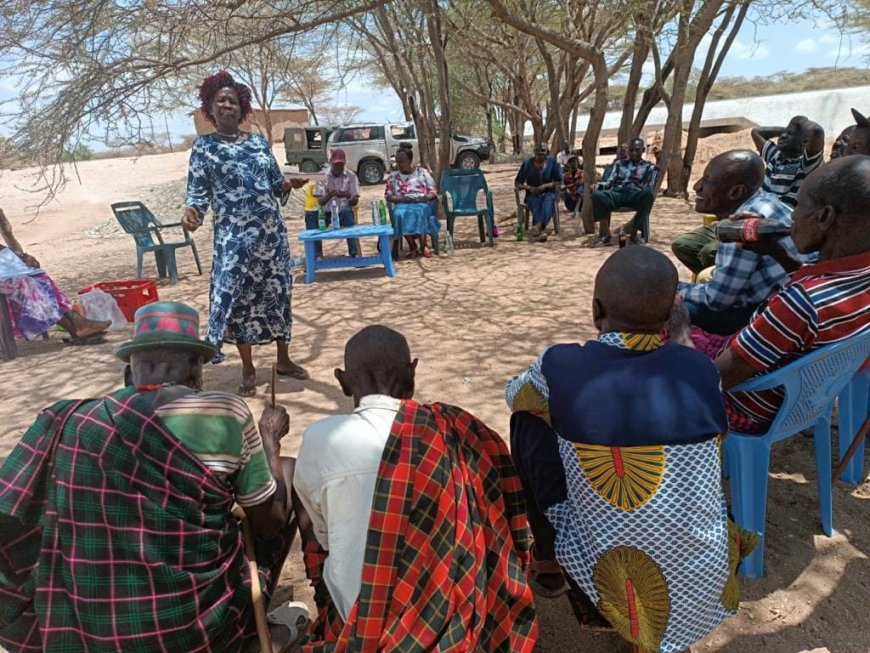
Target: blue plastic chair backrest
135 218
811 383
463 187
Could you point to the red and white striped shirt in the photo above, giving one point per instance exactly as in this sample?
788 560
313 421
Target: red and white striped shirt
822 303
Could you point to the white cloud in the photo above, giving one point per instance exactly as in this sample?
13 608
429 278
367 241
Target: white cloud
807 46
829 38
751 52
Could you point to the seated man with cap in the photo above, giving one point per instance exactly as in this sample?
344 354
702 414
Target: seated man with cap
116 530
341 186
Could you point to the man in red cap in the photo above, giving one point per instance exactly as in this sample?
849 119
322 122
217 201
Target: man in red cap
337 192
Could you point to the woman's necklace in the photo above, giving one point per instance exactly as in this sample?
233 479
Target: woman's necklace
231 137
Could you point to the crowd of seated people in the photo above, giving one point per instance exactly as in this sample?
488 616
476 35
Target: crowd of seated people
420 528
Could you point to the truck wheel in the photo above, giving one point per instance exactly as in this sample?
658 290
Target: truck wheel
467 160
370 172
309 166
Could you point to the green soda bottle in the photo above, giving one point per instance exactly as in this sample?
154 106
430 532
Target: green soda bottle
382 212
321 219
521 230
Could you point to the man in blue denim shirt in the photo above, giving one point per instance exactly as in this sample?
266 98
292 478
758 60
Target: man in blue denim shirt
742 279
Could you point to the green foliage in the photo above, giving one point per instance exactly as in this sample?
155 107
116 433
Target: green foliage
79 153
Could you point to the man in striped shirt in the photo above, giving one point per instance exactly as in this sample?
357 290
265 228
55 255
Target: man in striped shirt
822 303
797 152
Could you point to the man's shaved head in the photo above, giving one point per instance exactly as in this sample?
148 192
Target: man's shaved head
832 215
377 361
634 291
728 180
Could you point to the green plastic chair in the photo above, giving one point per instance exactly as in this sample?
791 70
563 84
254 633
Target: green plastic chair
463 188
138 221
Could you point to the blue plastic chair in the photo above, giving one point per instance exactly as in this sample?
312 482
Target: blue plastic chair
853 406
463 188
138 221
810 385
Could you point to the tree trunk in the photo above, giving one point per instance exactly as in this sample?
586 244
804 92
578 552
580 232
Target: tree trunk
708 77
433 23
638 58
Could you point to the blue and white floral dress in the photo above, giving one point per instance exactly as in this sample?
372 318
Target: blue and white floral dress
250 278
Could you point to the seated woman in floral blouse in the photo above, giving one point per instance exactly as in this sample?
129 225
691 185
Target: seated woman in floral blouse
411 190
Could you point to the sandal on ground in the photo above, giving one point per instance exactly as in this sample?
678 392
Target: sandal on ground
542 237
294 372
602 241
539 568
247 388
293 615
96 339
218 358
588 615
427 252
412 254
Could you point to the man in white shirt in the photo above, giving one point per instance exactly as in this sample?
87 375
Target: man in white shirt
376 485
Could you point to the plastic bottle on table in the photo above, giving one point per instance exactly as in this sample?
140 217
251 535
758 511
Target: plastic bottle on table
333 212
382 212
321 218
375 220
750 230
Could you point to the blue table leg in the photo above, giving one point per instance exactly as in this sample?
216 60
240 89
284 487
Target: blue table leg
386 255
310 261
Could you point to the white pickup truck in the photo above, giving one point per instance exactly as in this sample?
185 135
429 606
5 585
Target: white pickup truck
370 147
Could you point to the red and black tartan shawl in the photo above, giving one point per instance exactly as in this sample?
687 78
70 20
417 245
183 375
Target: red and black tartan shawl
447 543
123 542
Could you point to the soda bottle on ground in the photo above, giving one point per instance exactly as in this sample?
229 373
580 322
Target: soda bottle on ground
521 230
623 239
321 218
751 230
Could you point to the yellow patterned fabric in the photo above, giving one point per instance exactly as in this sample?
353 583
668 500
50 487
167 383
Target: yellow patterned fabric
633 595
625 477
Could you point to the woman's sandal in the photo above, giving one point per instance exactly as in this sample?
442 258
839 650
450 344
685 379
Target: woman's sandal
248 387
539 568
293 615
294 372
427 252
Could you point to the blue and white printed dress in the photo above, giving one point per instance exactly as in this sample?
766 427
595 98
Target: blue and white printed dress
250 278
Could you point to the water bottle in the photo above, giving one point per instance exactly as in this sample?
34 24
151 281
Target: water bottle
750 230
375 220
382 212
333 211
448 243
321 218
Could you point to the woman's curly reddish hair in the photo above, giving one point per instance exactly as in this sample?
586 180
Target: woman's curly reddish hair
211 85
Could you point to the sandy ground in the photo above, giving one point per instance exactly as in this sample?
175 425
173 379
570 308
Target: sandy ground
474 320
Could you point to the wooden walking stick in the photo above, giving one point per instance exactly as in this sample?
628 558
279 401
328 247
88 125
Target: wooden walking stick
859 438
256 591
274 379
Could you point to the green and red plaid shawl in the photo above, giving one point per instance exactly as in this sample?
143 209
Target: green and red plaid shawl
447 544
123 542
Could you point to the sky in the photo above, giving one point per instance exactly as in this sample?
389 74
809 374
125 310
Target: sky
759 50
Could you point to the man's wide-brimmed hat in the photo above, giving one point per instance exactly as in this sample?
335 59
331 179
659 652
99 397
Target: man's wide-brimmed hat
166 325
860 120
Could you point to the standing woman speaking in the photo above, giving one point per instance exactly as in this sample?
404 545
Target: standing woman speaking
236 174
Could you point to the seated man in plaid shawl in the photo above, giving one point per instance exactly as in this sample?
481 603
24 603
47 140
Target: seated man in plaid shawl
116 531
418 514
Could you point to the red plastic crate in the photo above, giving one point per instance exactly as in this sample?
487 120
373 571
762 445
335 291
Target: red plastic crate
130 295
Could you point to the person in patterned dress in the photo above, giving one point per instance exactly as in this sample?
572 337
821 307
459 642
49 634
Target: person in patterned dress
235 173
617 444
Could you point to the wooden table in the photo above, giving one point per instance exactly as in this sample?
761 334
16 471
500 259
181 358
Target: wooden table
382 232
